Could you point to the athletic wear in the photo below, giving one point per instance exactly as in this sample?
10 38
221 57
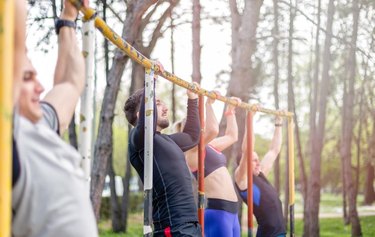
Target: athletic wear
190 229
224 205
213 160
173 201
267 207
219 223
51 196
220 216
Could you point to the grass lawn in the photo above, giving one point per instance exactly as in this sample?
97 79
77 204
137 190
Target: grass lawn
334 227
135 227
329 227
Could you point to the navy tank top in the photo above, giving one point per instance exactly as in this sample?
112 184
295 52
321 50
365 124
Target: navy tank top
214 159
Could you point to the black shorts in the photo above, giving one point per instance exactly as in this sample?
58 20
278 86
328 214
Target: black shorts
192 229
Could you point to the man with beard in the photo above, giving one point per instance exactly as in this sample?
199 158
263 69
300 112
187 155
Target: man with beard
174 209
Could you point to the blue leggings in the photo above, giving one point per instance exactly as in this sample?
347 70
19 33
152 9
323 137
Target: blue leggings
219 223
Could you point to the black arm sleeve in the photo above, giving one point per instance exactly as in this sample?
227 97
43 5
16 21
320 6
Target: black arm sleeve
189 138
139 130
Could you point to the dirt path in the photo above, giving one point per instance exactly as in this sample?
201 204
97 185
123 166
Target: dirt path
338 212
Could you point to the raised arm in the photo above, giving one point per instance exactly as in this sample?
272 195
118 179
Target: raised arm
189 137
240 174
275 147
69 73
231 131
211 123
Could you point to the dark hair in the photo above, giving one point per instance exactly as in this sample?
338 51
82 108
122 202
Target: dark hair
132 105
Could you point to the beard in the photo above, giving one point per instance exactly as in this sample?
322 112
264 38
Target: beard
163 123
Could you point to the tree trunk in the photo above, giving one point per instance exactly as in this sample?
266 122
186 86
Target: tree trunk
276 37
347 127
313 112
369 191
344 196
196 30
126 194
242 80
173 97
103 146
311 207
117 224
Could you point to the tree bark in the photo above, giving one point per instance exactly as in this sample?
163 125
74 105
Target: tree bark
173 93
347 127
276 37
196 30
369 191
313 111
311 207
126 194
103 146
244 28
117 224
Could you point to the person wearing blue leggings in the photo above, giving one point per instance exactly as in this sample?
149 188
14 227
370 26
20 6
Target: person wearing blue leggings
220 217
266 203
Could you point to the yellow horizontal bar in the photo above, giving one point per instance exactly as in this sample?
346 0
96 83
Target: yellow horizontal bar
6 104
122 44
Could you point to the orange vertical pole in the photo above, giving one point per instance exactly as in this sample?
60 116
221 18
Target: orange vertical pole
291 173
249 154
6 105
201 165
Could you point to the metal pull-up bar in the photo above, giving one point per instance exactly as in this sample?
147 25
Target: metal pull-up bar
135 55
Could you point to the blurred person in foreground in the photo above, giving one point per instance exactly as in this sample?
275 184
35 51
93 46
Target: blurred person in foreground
50 194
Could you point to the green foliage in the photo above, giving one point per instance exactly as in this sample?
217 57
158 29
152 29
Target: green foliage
136 205
120 147
134 227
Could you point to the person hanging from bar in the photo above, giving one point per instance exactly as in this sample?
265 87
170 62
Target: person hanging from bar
221 214
174 209
49 196
266 203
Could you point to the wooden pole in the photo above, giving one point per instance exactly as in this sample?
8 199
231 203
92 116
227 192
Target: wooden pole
6 106
250 150
291 173
201 157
